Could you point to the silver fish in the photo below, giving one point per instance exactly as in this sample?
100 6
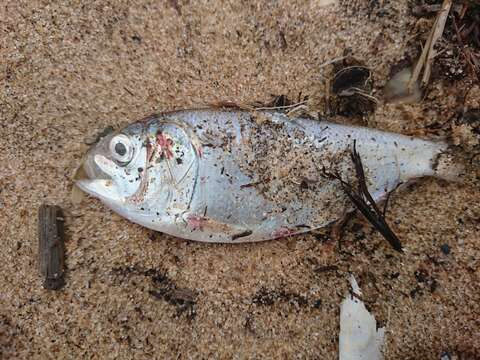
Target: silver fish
238 176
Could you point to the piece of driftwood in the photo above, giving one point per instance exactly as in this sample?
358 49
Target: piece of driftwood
51 246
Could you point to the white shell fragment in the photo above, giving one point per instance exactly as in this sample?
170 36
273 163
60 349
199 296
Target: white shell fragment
359 337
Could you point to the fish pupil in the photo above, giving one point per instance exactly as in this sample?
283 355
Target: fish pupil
120 149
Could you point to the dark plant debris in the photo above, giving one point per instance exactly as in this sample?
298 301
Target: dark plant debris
363 201
164 288
183 299
457 52
279 101
338 227
424 281
266 297
472 118
326 268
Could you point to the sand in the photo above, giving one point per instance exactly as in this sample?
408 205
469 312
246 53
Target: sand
70 69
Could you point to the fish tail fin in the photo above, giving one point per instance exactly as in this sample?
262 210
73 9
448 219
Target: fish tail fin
449 165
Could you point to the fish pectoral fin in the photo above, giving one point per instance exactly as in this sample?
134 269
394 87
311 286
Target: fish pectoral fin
101 188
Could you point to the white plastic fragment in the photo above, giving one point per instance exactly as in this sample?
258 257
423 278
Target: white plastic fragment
359 337
397 88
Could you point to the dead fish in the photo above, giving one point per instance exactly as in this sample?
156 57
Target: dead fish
237 176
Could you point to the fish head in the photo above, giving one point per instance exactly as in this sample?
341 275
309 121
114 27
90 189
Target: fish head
114 167
150 167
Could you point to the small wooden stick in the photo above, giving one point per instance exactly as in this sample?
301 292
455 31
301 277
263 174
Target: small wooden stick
51 247
437 34
428 54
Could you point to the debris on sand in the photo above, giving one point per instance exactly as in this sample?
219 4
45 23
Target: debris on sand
397 89
359 337
428 54
453 42
363 201
352 87
51 247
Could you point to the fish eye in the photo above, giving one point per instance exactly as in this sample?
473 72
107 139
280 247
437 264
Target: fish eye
121 148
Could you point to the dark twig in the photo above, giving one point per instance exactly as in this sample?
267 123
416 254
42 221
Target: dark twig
385 205
363 201
387 199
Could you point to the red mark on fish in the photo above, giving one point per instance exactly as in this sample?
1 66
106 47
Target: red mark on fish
196 222
165 145
283 232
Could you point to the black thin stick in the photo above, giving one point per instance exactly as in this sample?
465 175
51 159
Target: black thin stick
363 201
385 205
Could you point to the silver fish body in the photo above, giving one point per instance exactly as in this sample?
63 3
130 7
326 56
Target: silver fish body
238 176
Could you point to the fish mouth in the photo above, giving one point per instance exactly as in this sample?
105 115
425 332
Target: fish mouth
103 189
89 169
92 179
